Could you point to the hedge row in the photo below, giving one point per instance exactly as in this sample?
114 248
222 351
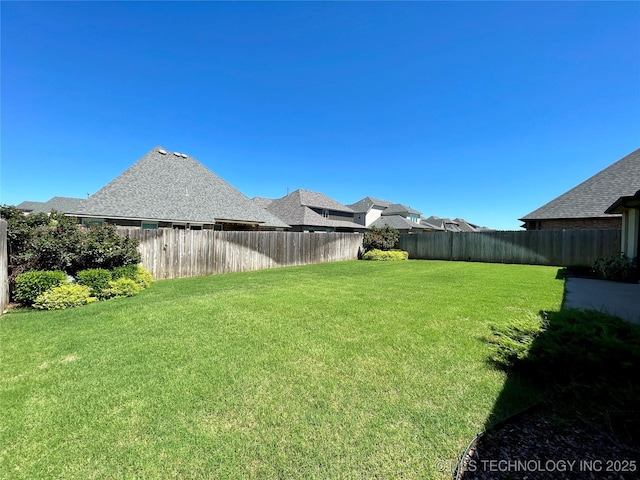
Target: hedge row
54 290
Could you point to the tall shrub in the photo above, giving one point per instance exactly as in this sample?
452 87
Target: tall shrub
380 238
102 247
57 242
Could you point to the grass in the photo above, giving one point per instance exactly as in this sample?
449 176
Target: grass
343 370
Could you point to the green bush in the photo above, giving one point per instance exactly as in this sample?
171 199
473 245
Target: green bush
137 273
97 279
64 296
380 238
123 287
57 242
102 247
385 255
617 268
30 285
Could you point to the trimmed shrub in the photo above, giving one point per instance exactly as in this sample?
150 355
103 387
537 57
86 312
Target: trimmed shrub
137 273
380 238
97 279
123 287
382 255
64 296
617 268
30 285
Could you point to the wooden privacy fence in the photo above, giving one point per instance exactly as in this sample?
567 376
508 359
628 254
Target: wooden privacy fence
4 265
538 247
168 253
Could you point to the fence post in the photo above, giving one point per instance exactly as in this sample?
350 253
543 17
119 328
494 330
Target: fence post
4 267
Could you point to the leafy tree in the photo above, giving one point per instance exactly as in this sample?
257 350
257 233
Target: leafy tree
380 238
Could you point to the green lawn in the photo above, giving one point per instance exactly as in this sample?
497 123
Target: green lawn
343 370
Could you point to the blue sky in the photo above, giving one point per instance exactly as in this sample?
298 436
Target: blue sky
484 111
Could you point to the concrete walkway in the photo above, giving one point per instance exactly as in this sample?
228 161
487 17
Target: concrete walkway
615 298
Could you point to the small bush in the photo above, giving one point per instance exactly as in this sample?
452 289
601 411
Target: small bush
97 279
123 287
617 268
137 273
380 238
30 285
385 255
64 296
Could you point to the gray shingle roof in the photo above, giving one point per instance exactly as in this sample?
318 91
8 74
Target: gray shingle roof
60 204
318 200
398 222
173 187
294 209
593 196
399 209
442 223
367 203
28 206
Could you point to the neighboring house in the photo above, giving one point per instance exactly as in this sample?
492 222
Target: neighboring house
172 190
28 206
373 211
307 211
402 218
448 225
59 204
399 223
368 210
583 207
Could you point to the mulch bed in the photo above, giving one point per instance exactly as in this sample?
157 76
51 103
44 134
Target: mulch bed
533 447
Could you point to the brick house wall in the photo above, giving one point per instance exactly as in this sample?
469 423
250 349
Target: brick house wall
612 223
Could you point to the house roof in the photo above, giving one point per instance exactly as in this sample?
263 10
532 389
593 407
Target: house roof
442 223
317 200
398 222
593 196
262 202
468 226
367 203
60 204
399 209
625 203
29 206
173 187
295 209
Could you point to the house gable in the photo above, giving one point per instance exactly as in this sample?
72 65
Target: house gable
584 205
173 187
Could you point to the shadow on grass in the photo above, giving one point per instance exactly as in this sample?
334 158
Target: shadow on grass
582 362
572 365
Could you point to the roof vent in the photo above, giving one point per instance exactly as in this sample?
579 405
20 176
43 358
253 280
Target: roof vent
176 154
183 155
164 152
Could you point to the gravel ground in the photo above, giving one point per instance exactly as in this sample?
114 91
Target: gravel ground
531 447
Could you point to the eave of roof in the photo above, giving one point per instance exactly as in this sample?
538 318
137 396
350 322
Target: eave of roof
591 198
625 203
